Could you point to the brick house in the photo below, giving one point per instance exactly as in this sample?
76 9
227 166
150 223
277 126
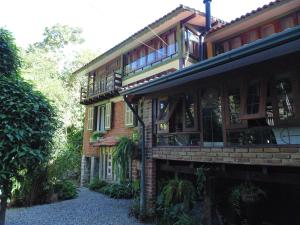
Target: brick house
154 51
222 95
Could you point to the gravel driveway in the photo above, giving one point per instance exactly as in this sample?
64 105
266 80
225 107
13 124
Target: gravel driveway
90 208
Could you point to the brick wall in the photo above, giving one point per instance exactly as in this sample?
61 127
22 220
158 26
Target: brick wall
279 156
150 163
118 129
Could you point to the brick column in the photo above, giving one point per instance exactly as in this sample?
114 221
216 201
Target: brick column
150 184
150 165
85 173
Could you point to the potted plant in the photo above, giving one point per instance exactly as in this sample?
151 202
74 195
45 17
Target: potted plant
96 136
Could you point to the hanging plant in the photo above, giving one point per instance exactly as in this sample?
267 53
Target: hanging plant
121 157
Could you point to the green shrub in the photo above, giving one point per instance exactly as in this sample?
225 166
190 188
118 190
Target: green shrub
175 202
65 189
121 157
118 191
97 184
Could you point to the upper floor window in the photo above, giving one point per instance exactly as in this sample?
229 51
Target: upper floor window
151 52
287 22
90 118
171 49
236 42
192 43
267 30
252 36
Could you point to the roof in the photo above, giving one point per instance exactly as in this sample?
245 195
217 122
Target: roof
276 45
247 15
168 16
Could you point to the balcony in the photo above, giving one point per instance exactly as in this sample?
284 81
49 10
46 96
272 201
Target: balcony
100 89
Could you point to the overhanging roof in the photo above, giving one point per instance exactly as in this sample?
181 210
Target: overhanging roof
276 45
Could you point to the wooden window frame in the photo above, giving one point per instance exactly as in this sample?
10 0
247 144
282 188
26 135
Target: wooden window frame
108 115
90 119
128 114
159 120
295 81
262 100
195 128
244 123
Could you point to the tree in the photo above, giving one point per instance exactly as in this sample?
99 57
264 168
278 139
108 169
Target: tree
59 36
27 125
48 65
10 62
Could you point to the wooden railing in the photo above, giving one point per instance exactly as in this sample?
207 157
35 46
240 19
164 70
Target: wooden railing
101 88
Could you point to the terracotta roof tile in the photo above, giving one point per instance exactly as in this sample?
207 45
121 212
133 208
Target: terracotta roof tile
253 12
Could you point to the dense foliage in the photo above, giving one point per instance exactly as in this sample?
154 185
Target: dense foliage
175 202
96 184
118 191
122 156
27 123
10 61
123 190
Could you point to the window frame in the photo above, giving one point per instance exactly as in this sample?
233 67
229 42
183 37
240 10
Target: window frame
90 119
128 116
229 125
295 81
108 116
196 120
262 100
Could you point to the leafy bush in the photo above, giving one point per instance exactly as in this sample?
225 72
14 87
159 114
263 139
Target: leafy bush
66 162
175 203
122 155
96 184
65 189
118 191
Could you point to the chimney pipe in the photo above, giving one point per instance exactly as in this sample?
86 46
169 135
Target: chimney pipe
207 15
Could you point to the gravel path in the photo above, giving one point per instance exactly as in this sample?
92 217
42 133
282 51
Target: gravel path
90 208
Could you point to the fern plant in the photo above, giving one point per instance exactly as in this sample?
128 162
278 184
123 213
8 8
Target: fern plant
121 157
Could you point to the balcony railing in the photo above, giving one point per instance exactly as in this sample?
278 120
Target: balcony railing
101 89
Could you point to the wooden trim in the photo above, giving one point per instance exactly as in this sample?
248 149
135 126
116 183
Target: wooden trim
262 101
195 128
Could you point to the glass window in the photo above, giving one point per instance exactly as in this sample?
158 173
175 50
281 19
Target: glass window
100 118
163 113
142 56
267 30
234 105
253 97
286 105
90 118
128 62
151 53
189 111
252 36
171 49
134 63
287 22
236 42
161 50
226 46
212 118
128 116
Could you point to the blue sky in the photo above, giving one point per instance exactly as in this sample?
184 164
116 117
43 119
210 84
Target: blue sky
104 22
